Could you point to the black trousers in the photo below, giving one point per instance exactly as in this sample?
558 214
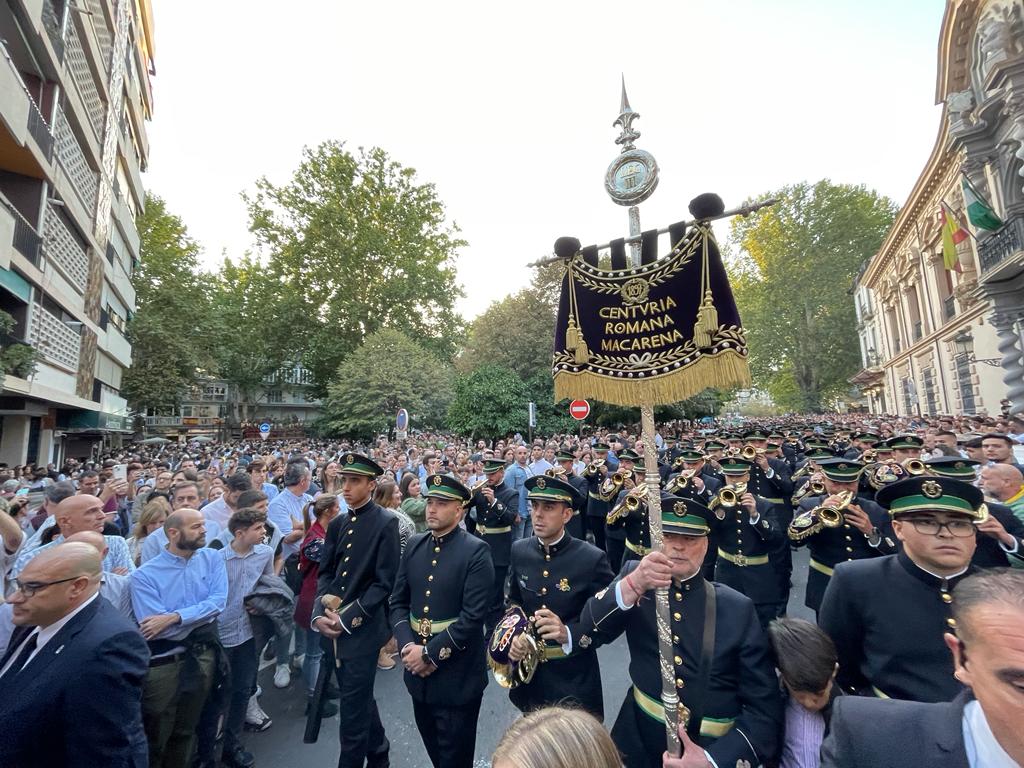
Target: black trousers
244 665
360 732
448 733
768 612
596 526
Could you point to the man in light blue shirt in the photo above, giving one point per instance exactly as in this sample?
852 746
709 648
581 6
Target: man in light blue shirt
515 478
177 597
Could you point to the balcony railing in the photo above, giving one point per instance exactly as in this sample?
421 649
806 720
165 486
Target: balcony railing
81 73
948 307
26 240
55 341
72 160
1001 245
65 249
36 124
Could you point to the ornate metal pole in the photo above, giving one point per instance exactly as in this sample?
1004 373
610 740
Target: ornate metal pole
631 178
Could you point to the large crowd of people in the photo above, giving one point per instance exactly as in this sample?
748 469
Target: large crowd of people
143 588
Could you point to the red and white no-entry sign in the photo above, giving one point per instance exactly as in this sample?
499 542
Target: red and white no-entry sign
579 409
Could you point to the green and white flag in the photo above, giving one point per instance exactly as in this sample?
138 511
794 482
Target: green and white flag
979 212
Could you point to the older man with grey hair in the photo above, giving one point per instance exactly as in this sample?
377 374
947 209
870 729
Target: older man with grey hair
981 726
1005 483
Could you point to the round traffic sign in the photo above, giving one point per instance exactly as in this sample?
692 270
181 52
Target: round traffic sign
264 427
579 409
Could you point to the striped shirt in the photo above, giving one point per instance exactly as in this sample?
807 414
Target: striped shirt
244 571
118 555
804 731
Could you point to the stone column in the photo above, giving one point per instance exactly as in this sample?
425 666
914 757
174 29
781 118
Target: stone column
1013 361
14 443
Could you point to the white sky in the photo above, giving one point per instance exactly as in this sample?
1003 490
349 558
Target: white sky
507 108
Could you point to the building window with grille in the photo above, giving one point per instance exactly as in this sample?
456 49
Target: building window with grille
275 396
930 398
909 396
963 378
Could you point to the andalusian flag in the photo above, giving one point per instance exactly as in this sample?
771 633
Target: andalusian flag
979 212
952 233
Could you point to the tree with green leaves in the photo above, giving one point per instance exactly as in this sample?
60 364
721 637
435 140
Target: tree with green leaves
516 333
387 372
792 282
490 401
169 331
366 246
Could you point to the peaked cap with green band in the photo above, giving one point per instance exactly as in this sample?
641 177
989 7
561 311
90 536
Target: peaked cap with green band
953 466
628 454
756 434
600 446
840 470
357 464
564 455
905 443
692 455
735 465
493 465
714 445
931 494
818 454
684 517
544 488
445 487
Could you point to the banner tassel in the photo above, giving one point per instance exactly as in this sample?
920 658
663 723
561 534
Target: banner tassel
707 322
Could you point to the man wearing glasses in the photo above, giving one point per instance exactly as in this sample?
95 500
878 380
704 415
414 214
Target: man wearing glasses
887 615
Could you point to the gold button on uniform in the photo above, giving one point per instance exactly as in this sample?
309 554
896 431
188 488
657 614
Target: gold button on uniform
428 593
678 661
437 549
544 574
679 595
947 598
677 616
543 590
547 557
951 623
426 609
430 577
679 682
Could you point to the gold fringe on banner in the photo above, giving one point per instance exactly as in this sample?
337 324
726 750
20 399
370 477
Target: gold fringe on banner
726 369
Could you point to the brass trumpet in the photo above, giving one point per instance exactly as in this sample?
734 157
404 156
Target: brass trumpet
729 496
806 524
610 487
554 472
812 488
593 468
630 503
870 456
477 487
681 481
915 467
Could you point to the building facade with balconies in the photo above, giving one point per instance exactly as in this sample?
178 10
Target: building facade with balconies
75 96
935 340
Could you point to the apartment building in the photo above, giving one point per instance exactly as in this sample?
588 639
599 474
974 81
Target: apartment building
937 340
75 96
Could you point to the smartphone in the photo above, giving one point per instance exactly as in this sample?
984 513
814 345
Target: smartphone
120 472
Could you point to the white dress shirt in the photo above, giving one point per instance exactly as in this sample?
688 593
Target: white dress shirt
983 751
45 635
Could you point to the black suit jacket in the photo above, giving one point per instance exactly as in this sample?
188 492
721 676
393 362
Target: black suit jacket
895 734
78 702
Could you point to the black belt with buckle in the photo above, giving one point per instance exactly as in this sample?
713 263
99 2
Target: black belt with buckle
166 659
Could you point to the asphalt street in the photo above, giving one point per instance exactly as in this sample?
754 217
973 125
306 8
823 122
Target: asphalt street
281 745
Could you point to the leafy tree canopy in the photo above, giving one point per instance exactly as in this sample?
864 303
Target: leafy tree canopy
489 402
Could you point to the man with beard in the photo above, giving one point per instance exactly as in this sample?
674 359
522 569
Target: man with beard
177 596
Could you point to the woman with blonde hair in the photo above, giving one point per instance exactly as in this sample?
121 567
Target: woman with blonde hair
556 737
152 517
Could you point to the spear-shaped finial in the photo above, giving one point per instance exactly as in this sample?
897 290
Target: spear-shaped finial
625 120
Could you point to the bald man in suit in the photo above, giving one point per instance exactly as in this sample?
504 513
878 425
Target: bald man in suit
75 664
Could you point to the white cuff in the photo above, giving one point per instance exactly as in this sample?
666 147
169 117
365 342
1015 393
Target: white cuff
769 473
567 645
755 518
710 758
1009 550
618 597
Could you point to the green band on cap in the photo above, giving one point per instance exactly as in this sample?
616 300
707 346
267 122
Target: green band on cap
946 503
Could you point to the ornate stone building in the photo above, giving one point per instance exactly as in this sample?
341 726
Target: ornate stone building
935 340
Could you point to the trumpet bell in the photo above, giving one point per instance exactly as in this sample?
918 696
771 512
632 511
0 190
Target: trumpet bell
508 673
914 467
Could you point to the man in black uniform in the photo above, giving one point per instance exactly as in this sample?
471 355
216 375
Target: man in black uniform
1001 534
702 486
553 576
566 461
597 504
747 534
722 662
441 597
615 534
496 507
864 531
357 571
887 615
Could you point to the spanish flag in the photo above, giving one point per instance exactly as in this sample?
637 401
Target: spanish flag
952 234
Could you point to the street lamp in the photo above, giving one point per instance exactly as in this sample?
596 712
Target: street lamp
963 344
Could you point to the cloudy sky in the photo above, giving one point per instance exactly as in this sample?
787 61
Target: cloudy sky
508 108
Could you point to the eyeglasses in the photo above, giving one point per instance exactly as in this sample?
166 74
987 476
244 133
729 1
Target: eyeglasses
961 529
29 588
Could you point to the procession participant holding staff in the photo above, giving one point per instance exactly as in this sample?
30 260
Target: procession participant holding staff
357 572
440 601
553 575
722 664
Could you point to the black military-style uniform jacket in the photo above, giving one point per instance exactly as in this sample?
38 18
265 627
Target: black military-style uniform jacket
575 526
742 707
596 506
494 522
441 597
831 546
636 527
359 562
744 551
989 553
777 489
887 617
560 577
